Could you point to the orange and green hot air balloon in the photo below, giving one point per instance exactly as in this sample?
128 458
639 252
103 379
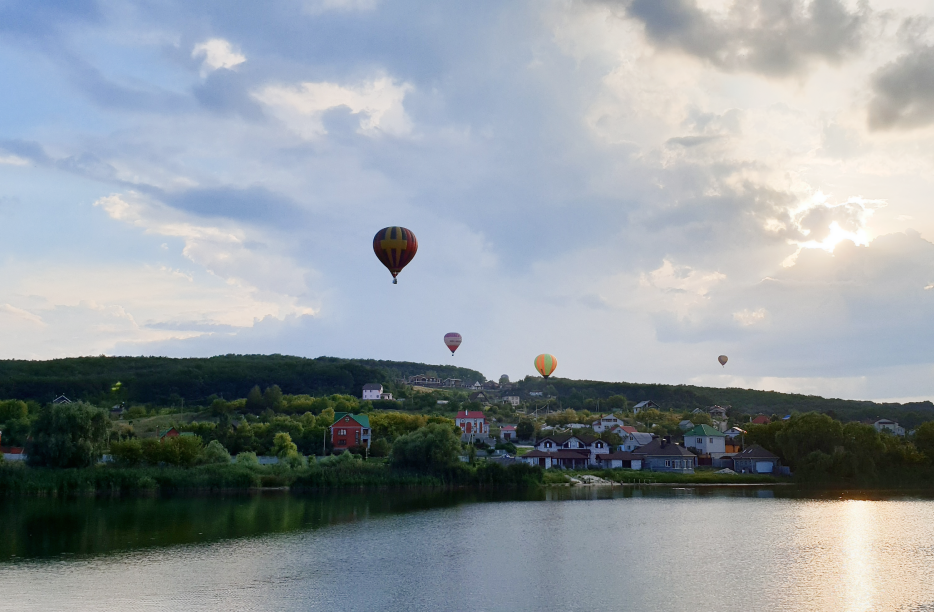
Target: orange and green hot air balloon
395 247
546 364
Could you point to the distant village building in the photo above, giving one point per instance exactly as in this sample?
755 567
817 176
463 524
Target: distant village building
635 440
61 399
761 420
707 441
607 423
512 400
478 396
372 391
507 432
535 394
492 385
889 426
472 423
685 425
349 430
11 453
476 386
423 380
644 406
452 382
621 460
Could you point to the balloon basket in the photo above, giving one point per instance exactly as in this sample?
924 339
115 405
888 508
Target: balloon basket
395 281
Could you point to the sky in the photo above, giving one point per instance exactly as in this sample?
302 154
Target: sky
635 186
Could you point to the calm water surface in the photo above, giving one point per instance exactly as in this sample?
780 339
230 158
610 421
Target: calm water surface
593 550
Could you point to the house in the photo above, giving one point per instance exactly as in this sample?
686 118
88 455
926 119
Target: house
492 385
685 425
620 460
61 399
472 423
478 396
441 402
350 430
507 432
476 386
576 442
423 380
644 406
717 412
756 460
536 394
385 396
707 441
169 433
761 420
623 431
607 423
372 391
889 426
513 400
663 455
734 432
732 445
569 459
11 453
635 440
452 382
117 410
576 426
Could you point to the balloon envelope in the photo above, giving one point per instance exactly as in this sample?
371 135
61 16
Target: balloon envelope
546 364
452 341
395 247
722 359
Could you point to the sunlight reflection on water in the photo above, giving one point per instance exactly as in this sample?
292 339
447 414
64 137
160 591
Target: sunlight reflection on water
646 552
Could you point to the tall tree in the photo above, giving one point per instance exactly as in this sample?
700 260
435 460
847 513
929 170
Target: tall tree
68 435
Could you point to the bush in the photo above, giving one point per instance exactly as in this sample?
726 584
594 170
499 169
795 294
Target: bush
127 453
380 448
215 453
247 459
282 445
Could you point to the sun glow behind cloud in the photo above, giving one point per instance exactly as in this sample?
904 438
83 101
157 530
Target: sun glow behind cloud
824 225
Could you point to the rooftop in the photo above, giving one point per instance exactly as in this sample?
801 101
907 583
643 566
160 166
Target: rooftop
703 430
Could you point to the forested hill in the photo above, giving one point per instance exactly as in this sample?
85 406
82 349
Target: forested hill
168 381
576 393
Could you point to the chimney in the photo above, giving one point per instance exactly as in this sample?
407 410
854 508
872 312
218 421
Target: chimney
667 441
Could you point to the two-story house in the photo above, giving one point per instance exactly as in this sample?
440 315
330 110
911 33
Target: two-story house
372 391
350 430
707 441
634 440
586 445
889 426
607 423
472 423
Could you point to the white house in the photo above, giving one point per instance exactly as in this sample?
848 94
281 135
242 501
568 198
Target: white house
372 391
889 426
535 394
476 386
634 440
452 382
583 442
511 399
607 423
507 432
707 441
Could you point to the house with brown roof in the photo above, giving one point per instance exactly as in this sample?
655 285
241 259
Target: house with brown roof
620 460
761 420
581 445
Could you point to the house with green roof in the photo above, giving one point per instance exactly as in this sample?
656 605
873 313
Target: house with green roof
349 431
706 440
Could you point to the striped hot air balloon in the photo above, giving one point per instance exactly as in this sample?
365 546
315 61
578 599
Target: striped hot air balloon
546 364
395 247
452 341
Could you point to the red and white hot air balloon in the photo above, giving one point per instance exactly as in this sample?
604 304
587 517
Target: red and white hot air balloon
452 340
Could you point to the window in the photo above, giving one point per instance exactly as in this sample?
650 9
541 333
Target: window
700 440
711 440
342 432
668 464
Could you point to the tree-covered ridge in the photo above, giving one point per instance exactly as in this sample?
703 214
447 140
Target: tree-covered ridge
170 381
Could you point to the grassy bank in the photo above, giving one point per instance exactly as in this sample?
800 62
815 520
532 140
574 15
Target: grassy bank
636 476
22 480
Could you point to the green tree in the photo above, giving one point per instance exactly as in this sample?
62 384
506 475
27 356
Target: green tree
272 398
807 433
181 450
220 408
615 403
525 430
254 400
326 418
247 459
127 453
282 445
924 439
435 446
380 448
215 452
68 435
12 410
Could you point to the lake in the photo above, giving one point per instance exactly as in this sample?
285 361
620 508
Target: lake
597 549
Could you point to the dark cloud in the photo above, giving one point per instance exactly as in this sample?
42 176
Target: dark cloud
770 37
904 92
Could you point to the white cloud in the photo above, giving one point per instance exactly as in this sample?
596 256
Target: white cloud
13 160
747 317
315 7
217 53
379 103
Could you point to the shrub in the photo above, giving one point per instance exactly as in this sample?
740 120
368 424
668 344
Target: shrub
215 452
282 445
247 459
127 453
380 448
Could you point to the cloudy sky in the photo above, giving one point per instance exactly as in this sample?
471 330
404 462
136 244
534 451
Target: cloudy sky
635 186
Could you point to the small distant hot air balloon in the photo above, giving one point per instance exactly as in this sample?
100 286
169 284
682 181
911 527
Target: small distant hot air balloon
453 340
395 247
722 359
546 364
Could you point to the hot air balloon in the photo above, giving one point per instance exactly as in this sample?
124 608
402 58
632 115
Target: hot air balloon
453 340
546 364
395 247
722 359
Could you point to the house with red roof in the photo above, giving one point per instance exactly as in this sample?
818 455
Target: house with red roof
11 453
761 420
472 423
507 432
350 430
